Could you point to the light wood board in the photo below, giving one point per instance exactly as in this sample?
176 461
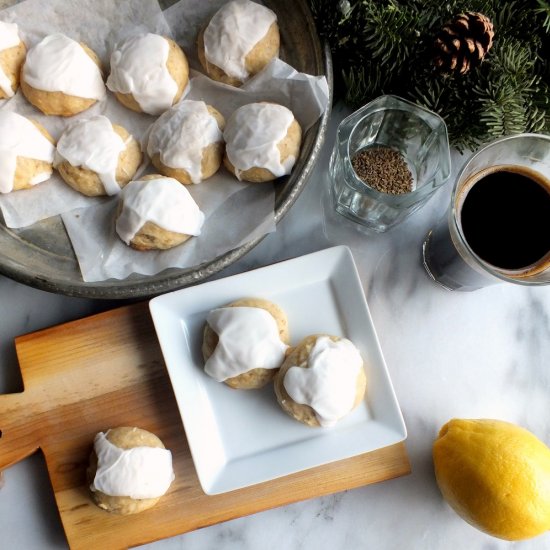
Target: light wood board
106 371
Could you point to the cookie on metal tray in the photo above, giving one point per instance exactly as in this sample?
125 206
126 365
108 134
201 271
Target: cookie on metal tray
239 41
96 157
186 142
148 73
262 142
61 76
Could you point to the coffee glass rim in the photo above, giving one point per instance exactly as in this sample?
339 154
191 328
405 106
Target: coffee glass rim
385 102
504 275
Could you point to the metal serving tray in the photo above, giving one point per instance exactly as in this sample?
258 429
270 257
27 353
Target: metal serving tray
41 255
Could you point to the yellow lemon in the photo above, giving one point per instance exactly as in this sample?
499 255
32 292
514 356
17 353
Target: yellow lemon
496 476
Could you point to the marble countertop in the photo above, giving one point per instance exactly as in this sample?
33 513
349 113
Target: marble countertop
479 354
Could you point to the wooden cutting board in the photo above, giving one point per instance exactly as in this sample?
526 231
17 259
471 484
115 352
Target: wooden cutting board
106 371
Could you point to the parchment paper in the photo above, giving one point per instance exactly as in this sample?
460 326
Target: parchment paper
99 24
235 212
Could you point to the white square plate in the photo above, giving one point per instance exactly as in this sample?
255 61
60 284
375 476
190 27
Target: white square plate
242 437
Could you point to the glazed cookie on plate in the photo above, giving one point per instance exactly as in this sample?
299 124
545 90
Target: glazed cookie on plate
12 56
239 41
244 342
61 76
148 73
157 213
130 469
26 152
262 142
96 157
186 142
321 380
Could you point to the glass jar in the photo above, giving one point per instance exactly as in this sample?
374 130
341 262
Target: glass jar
419 135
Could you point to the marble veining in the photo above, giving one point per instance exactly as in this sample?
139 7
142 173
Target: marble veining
479 354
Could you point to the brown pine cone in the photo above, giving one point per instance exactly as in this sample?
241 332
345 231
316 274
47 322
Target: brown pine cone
463 43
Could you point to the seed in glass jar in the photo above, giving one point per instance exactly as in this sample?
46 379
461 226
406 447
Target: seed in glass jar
383 169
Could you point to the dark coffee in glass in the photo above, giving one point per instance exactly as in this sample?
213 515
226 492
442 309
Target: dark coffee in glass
505 217
498 226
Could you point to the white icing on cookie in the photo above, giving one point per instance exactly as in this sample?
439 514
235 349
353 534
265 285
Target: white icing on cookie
93 144
5 84
140 472
328 385
19 137
252 134
9 38
248 339
232 33
60 64
9 35
162 201
181 134
39 178
138 67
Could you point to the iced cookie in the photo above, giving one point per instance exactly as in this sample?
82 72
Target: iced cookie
157 213
186 142
12 56
262 142
245 342
148 73
96 157
321 380
26 152
129 470
238 42
61 76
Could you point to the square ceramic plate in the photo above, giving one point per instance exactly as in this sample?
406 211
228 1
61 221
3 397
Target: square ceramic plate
239 438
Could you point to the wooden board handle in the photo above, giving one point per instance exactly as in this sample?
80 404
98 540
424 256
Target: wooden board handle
18 439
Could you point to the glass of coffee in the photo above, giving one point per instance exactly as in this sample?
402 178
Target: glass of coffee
498 225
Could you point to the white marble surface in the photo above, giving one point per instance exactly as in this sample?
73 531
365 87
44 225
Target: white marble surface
479 354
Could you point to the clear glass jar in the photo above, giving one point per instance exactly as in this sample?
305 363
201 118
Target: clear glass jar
418 134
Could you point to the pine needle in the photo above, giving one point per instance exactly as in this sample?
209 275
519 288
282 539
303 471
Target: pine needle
385 47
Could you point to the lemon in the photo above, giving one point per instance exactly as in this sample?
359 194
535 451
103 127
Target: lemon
496 476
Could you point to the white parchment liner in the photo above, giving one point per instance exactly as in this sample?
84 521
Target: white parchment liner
235 212
99 24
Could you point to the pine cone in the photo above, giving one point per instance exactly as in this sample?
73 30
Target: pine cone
463 43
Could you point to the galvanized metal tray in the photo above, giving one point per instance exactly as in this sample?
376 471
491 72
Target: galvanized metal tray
42 256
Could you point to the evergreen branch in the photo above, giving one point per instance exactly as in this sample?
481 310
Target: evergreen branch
502 114
544 9
394 45
385 47
359 85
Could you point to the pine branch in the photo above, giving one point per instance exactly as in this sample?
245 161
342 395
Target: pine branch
539 109
544 9
385 46
359 85
395 45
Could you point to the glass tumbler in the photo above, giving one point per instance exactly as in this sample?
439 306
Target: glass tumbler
418 134
450 259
